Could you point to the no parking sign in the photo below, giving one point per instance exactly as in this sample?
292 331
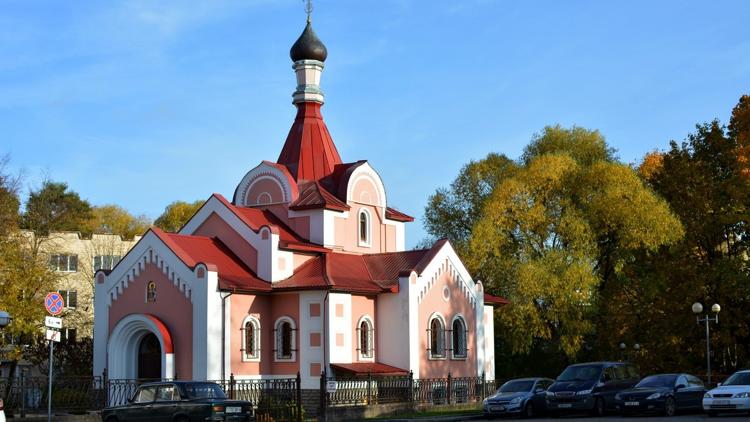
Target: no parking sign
54 303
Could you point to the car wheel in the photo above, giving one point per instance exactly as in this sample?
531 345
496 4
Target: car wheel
598 407
670 407
528 411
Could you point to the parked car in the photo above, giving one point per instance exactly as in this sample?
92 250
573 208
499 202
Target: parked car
179 401
524 396
663 393
733 395
590 387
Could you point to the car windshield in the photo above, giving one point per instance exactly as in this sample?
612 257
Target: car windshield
516 386
739 378
581 373
204 391
657 381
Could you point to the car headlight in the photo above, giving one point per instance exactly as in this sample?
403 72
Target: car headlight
707 396
744 395
653 396
516 400
584 392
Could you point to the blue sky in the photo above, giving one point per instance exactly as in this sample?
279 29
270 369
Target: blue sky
141 103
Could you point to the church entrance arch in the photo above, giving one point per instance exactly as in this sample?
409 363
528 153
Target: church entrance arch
140 346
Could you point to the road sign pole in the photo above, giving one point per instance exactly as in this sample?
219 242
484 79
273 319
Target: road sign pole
49 390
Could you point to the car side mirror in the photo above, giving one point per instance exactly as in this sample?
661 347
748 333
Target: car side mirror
680 386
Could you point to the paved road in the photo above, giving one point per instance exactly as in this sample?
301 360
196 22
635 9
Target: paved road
680 418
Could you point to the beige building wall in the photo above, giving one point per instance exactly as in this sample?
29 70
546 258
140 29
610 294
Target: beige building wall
100 249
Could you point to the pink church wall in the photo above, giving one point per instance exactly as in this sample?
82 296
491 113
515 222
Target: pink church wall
300 225
390 238
361 306
346 231
267 309
177 316
457 304
215 226
264 191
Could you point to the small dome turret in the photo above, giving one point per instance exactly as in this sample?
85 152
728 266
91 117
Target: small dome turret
308 46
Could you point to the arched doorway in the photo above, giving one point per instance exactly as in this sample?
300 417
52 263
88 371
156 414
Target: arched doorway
140 346
149 357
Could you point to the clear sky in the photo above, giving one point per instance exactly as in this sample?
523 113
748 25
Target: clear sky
140 103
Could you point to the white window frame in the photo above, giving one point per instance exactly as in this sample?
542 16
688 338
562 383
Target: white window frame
430 353
368 241
114 259
277 357
255 355
459 317
364 355
67 262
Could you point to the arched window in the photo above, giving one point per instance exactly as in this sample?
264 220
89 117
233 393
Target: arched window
437 337
151 292
285 339
458 343
250 339
364 227
366 338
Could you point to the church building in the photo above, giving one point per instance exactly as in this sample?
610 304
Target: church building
303 269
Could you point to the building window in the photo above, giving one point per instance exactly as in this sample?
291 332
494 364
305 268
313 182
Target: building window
250 339
151 292
365 336
70 298
105 262
64 263
364 227
458 335
436 335
285 339
69 335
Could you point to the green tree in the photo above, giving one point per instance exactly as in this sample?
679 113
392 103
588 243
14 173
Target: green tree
176 215
55 208
706 181
114 219
8 199
553 231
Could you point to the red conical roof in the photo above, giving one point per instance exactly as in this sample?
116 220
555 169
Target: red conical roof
309 152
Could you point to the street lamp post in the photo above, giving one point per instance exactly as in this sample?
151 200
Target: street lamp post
698 310
624 351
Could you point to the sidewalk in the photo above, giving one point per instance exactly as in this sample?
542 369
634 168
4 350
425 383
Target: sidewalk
455 418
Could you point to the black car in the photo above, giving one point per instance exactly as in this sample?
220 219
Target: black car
663 393
524 396
180 401
590 387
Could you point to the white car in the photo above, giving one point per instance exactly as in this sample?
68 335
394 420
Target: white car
733 395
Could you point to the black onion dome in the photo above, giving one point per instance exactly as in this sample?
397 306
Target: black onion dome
308 46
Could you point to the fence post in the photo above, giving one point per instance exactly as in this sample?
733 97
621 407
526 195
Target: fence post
231 385
322 405
411 386
105 387
484 386
450 388
299 397
23 392
369 387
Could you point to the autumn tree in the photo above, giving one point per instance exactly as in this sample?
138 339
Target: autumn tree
705 180
176 215
114 219
551 231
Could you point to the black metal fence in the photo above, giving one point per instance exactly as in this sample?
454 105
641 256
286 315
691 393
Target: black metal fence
337 391
279 399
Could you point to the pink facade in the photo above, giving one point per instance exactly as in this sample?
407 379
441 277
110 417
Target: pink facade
304 270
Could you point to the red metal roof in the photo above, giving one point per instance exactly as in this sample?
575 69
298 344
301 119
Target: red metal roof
192 250
312 196
495 300
309 152
394 214
371 368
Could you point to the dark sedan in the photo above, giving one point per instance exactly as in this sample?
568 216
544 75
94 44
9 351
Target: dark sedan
179 401
523 397
664 393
